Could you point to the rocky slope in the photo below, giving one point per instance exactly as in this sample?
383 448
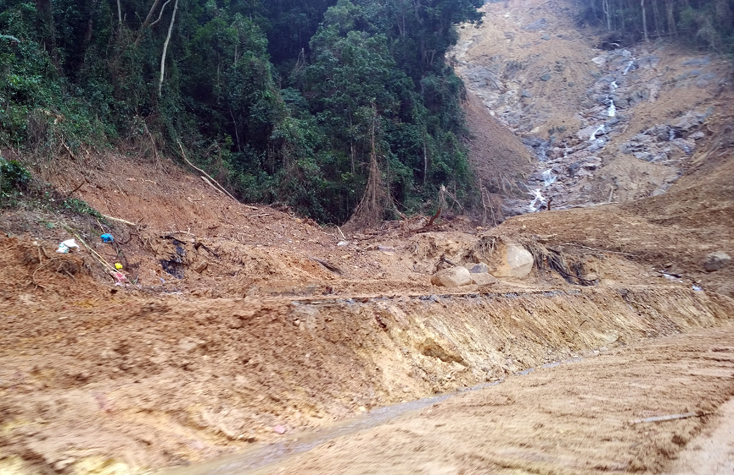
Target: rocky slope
605 125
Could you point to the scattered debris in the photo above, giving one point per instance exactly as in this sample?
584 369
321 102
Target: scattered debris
66 246
671 417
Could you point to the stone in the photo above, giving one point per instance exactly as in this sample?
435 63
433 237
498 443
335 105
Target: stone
480 268
537 25
716 260
545 77
453 277
517 262
200 267
483 279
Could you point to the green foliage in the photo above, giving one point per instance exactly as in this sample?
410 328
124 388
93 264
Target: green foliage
14 179
277 99
78 206
708 24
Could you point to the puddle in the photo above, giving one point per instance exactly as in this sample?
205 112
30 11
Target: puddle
264 455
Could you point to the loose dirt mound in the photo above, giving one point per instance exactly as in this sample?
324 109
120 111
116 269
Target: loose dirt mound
498 158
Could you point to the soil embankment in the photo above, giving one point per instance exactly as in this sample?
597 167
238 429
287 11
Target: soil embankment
594 416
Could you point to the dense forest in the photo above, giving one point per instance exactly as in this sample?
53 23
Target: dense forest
700 23
302 102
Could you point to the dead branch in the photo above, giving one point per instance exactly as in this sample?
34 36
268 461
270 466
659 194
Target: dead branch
212 185
77 188
118 220
166 233
597 250
205 173
71 154
163 8
670 417
329 266
434 217
155 149
147 20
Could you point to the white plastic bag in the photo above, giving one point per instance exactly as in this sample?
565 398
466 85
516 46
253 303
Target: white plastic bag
67 246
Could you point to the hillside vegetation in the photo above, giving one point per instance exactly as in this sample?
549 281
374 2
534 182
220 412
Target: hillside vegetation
284 101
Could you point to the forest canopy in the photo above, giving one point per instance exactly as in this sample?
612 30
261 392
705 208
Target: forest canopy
283 100
703 23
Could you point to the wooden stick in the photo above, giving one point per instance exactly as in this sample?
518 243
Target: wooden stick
670 417
210 184
77 188
68 150
118 220
204 173
340 232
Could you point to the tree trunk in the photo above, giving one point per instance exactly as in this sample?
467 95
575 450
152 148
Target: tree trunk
656 15
165 47
644 20
119 12
669 8
146 22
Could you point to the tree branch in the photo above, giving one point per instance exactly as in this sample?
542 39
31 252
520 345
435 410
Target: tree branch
165 47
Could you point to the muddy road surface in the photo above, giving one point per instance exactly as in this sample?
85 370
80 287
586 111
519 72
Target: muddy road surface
598 415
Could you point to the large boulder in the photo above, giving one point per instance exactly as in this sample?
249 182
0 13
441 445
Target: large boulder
716 260
453 277
517 262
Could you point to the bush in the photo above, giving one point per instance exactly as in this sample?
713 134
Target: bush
14 179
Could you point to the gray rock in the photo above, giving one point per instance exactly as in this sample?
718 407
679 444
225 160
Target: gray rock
716 260
518 262
537 25
545 77
453 277
480 268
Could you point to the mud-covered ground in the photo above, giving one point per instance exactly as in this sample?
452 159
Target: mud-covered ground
587 417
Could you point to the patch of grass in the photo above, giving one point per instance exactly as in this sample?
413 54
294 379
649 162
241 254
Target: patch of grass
78 206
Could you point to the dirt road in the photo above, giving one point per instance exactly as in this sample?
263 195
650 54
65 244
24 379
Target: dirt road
570 419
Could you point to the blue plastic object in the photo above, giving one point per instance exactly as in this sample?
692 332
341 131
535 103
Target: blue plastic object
107 238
